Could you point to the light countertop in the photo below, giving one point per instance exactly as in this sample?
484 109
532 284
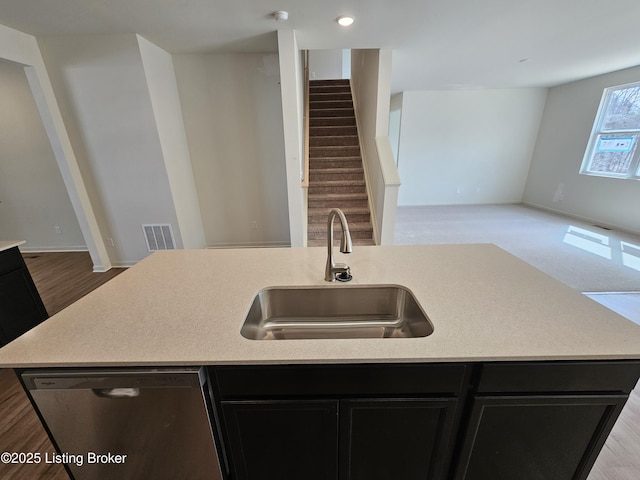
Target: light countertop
186 307
7 244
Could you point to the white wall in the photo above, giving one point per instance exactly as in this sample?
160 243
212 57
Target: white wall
232 111
467 147
554 182
325 64
33 197
100 84
346 63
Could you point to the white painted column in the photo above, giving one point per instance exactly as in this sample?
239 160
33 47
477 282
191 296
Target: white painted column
290 85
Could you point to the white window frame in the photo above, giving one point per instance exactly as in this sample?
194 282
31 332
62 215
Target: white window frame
598 131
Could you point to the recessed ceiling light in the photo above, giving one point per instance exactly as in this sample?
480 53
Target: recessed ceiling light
345 21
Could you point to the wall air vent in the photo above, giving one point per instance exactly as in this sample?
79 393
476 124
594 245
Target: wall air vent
159 237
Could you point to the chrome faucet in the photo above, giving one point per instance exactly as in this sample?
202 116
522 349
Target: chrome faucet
338 271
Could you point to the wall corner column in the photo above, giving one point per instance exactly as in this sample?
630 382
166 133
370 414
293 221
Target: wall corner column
291 85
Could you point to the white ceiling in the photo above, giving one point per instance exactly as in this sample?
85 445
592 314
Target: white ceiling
437 44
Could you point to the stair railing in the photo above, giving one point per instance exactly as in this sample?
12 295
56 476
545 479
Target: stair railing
305 166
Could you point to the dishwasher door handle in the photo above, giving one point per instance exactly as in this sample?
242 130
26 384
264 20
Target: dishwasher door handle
116 392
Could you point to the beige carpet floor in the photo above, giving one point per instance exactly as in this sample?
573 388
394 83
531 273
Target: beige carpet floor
586 257
626 304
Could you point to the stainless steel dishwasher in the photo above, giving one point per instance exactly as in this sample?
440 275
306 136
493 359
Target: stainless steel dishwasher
127 423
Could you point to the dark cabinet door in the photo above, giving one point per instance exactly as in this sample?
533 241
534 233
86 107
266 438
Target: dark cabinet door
536 437
20 306
384 439
282 440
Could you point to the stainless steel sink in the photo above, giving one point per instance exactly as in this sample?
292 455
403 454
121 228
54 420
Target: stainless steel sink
381 311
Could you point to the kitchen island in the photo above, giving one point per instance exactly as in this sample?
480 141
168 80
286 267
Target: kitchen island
187 308
522 377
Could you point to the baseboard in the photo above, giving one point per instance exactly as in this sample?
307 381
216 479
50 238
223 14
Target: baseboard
250 245
462 204
53 249
626 292
590 220
116 265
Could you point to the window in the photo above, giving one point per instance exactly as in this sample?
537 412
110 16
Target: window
613 147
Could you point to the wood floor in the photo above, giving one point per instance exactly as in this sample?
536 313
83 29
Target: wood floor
61 279
64 277
620 457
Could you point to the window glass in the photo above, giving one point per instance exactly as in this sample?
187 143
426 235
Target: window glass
613 154
623 110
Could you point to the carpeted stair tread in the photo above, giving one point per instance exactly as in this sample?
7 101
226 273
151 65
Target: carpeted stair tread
331 121
328 188
334 141
336 151
333 95
331 81
320 174
331 112
333 130
329 104
341 197
318 89
338 200
336 162
339 170
324 211
339 183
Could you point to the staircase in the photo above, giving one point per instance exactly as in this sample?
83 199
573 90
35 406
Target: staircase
336 176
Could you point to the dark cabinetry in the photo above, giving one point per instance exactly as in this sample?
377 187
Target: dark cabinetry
542 420
20 305
283 439
386 439
362 422
508 420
